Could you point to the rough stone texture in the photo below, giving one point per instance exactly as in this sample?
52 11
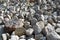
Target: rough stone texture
20 31
27 19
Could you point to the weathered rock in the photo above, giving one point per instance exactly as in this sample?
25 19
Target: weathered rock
20 31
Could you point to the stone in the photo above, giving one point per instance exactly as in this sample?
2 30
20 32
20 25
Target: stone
50 20
48 29
58 30
20 31
4 36
58 18
42 17
45 17
9 29
40 37
40 24
31 39
29 31
54 18
33 21
22 37
58 25
0 20
53 36
27 25
38 27
14 37
19 23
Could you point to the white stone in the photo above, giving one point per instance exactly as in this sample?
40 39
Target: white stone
42 17
23 36
5 4
6 19
22 39
31 39
29 31
14 37
4 36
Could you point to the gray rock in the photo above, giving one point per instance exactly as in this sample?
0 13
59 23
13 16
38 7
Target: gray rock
38 36
53 36
58 30
58 18
48 29
33 21
0 20
38 27
27 25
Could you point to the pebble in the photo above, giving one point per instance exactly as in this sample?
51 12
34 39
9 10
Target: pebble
58 30
29 19
14 37
29 31
4 36
20 31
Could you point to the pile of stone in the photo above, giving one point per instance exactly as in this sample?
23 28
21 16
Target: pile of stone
29 19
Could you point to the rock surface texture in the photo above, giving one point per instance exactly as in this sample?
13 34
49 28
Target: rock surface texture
29 19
